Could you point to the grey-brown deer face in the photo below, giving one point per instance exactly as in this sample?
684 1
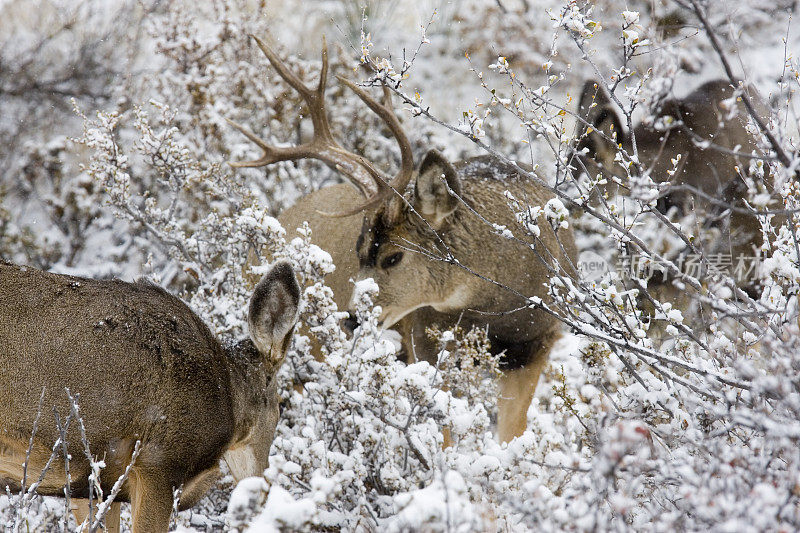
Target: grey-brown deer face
396 244
600 134
273 312
271 319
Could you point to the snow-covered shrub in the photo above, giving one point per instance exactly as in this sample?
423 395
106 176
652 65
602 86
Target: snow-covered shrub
52 51
667 407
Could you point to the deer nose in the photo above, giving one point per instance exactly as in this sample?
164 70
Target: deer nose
350 323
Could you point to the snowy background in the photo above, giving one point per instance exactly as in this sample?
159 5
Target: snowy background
113 163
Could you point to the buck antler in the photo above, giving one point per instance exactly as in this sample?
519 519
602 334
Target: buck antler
372 183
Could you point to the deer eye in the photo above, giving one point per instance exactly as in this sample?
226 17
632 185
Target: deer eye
392 260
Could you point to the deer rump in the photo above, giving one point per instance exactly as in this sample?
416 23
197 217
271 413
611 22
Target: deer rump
161 364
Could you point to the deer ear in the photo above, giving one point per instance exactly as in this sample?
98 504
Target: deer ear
273 310
596 109
436 177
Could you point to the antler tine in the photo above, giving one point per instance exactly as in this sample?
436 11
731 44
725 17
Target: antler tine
267 149
315 99
290 77
385 112
274 154
323 73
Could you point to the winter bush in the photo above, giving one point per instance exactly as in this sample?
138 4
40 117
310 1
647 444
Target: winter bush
666 406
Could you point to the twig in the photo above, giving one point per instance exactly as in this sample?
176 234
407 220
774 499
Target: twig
30 443
776 146
62 430
94 475
103 507
56 445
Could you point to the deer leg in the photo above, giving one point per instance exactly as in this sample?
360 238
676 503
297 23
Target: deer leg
196 488
516 392
517 387
151 501
80 510
112 518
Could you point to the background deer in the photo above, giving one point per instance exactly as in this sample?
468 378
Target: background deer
702 137
146 369
424 250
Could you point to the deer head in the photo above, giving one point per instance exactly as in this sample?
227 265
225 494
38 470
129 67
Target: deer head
391 252
390 218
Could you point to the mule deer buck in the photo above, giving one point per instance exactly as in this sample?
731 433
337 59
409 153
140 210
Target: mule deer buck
147 369
699 144
423 249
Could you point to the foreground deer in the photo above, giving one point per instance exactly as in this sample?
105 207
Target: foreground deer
401 242
147 369
699 136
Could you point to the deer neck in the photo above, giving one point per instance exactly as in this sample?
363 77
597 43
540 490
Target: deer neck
251 380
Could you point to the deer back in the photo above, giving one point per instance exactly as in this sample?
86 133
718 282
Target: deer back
335 235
